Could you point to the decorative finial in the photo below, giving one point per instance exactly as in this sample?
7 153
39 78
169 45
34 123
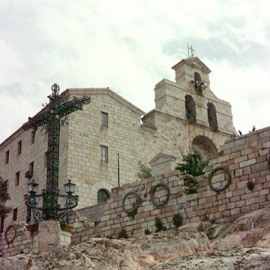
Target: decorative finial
191 51
55 89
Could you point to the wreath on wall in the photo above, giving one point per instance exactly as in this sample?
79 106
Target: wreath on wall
153 191
135 206
228 177
10 234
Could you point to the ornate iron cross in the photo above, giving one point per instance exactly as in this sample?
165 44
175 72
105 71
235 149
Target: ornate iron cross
51 117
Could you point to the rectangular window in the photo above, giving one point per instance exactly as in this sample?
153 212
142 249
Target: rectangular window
29 174
17 179
15 214
104 119
7 157
19 147
104 153
33 135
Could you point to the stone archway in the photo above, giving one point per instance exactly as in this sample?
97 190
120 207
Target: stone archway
103 196
204 145
100 185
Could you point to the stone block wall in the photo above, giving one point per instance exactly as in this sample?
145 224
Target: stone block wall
16 241
247 160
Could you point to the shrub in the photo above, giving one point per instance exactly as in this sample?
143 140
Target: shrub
177 220
194 163
159 225
144 171
147 232
123 234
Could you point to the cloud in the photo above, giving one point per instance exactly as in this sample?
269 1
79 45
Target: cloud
130 46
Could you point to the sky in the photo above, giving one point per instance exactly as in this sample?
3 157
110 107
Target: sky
129 46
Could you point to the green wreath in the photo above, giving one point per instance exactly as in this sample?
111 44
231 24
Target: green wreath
135 205
153 191
228 178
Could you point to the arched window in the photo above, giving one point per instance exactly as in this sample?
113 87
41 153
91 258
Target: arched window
190 109
212 116
103 196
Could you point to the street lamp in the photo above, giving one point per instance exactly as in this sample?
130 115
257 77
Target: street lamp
69 187
32 187
31 200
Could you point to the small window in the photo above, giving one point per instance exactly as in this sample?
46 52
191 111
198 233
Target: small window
104 153
33 136
7 157
15 214
103 196
190 109
17 179
212 116
31 168
104 119
19 147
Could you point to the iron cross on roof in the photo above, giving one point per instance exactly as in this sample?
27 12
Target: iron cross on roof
51 117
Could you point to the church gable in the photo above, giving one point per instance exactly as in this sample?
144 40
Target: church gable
103 91
193 62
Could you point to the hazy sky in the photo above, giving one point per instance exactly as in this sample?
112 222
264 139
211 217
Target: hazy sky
129 46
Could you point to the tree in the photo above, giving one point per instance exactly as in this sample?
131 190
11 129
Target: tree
144 171
194 163
193 166
4 196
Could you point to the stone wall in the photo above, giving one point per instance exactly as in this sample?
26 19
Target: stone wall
16 240
130 132
247 160
21 238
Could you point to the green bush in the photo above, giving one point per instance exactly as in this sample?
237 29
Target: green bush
159 225
177 220
144 171
147 232
123 234
194 163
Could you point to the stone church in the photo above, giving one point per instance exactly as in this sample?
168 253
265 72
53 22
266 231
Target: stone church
102 144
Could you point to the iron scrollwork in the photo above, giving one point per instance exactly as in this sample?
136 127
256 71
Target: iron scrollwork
57 109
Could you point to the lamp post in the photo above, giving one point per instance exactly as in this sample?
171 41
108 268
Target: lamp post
42 213
57 109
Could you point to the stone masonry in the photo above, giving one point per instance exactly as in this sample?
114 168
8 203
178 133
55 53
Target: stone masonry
130 132
248 160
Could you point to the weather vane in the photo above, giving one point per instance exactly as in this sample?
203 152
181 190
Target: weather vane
191 51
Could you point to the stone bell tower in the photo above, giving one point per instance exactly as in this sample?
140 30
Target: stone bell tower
191 100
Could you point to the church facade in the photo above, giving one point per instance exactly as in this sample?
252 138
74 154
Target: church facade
101 145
